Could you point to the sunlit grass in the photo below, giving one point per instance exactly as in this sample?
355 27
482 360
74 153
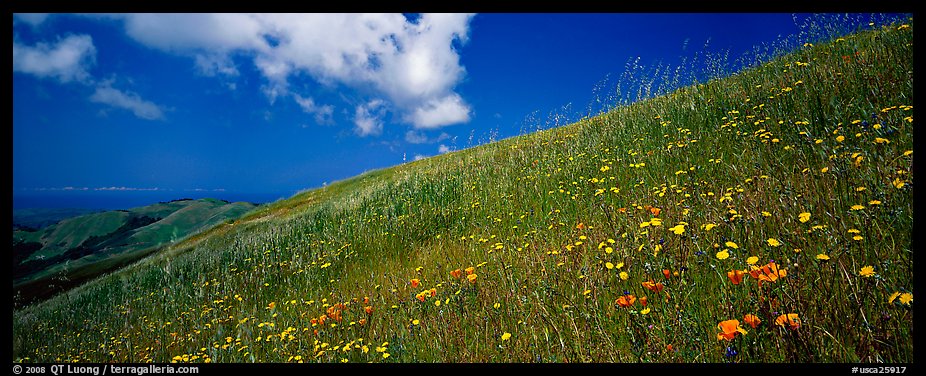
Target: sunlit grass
780 197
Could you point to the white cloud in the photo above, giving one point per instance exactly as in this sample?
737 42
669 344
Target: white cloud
66 60
369 118
419 157
411 64
130 101
214 65
418 137
33 19
323 114
440 112
443 149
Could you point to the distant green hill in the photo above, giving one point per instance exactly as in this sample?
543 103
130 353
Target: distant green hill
38 218
75 249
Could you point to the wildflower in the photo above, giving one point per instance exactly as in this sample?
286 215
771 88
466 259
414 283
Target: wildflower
728 329
723 255
823 257
272 305
736 276
368 310
625 300
624 276
773 242
791 320
752 320
472 278
752 260
708 226
898 183
732 245
415 283
643 301
655 211
768 273
906 298
804 217
666 273
506 336
867 271
655 287
874 202
857 207
609 265
678 229
416 322
470 270
893 297
456 273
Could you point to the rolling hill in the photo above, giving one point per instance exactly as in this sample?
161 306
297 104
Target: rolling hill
762 217
76 249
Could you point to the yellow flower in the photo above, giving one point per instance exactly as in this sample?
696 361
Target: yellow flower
678 230
609 265
804 217
897 183
823 257
857 207
773 242
731 245
840 138
867 271
874 202
880 140
645 311
709 226
906 298
506 336
415 322
624 276
892 297
752 260
723 255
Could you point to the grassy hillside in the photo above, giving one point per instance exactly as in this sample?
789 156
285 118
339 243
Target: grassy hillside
75 249
780 197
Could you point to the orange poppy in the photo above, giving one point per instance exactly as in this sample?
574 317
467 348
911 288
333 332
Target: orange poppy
456 273
728 329
368 310
366 300
768 273
580 226
626 300
643 301
655 287
362 321
433 292
622 210
736 276
472 277
415 283
667 273
420 296
470 270
655 211
752 320
791 320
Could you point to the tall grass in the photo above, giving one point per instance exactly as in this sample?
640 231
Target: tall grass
782 162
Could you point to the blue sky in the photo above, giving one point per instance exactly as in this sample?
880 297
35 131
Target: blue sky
220 105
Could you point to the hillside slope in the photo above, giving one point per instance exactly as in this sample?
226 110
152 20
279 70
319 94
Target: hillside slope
50 259
780 197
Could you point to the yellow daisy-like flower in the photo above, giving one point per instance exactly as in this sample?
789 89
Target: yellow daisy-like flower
609 265
804 217
723 255
708 226
867 271
897 183
857 207
823 257
678 230
645 311
624 276
773 242
874 202
506 336
752 260
892 297
906 298
732 245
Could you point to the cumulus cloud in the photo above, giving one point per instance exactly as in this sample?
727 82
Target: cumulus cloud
65 60
443 149
127 100
410 63
368 118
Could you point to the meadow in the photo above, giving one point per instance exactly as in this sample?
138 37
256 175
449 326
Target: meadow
766 216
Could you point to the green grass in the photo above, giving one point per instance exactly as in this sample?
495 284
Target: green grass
540 218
